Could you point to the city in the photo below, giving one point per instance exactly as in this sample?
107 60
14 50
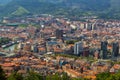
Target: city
55 44
59 40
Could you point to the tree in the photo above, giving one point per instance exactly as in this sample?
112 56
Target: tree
15 76
108 76
34 76
2 74
117 76
103 76
71 41
56 77
65 76
78 79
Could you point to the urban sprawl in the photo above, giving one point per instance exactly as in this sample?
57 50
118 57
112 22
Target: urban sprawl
48 44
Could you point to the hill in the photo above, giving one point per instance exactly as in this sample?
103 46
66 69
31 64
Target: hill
101 8
20 11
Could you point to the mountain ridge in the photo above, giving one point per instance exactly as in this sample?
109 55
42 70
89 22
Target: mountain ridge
4 1
102 8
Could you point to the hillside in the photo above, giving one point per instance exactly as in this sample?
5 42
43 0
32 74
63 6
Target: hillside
101 8
20 11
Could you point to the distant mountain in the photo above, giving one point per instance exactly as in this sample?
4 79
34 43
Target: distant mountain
33 6
101 8
4 1
82 4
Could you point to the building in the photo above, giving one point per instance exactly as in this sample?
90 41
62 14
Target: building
20 46
34 48
59 34
78 48
96 54
104 49
115 49
42 35
86 52
89 26
27 47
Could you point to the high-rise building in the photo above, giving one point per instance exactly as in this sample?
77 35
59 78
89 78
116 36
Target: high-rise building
78 48
59 34
94 26
104 49
89 26
34 48
42 35
115 49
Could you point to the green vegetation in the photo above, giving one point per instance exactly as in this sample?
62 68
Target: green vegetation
108 9
90 58
71 41
15 76
35 76
66 55
4 41
20 11
2 74
108 76
23 25
63 76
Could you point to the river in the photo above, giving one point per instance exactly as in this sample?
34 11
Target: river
10 48
9 51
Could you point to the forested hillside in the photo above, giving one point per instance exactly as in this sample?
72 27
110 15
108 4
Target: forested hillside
100 8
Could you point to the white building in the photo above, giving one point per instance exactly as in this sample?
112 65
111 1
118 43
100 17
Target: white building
78 48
